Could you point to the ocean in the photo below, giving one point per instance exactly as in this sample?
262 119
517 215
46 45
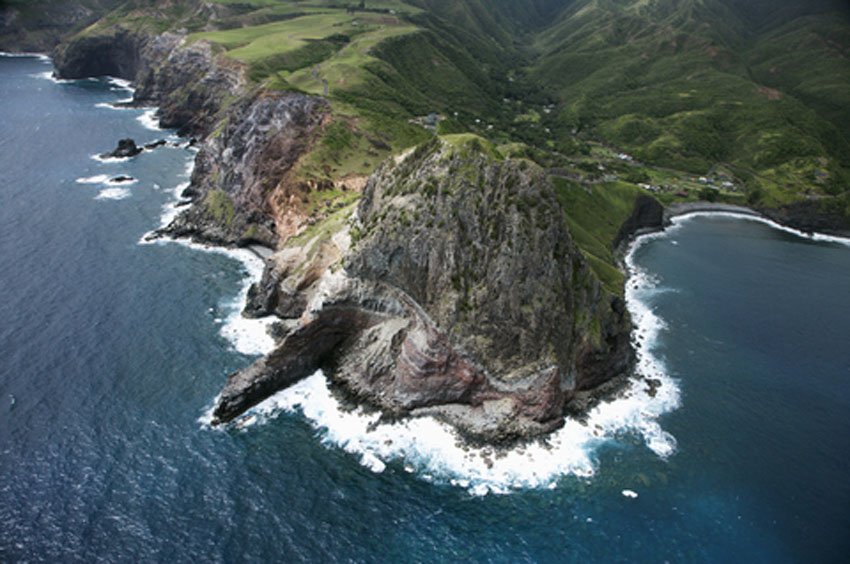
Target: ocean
112 351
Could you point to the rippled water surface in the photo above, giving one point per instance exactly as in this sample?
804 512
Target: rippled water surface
112 351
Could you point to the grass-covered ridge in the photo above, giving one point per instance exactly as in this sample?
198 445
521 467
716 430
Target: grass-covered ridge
741 101
692 85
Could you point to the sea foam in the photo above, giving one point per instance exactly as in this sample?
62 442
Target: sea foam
116 105
41 56
97 179
819 237
246 336
102 159
48 75
120 84
113 194
433 451
149 120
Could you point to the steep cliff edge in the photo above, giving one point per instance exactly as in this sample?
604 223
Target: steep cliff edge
242 163
187 81
462 296
250 137
27 26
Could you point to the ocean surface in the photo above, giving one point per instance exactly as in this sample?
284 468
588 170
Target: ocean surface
112 352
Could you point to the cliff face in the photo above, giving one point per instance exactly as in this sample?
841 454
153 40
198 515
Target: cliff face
458 293
250 138
462 297
117 53
187 81
828 215
242 163
38 27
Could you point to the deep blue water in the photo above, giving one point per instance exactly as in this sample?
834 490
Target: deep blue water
110 351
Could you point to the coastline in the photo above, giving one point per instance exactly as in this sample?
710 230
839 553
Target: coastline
676 212
246 336
568 451
436 453
679 211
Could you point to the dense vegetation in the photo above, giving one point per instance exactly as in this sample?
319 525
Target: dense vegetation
745 101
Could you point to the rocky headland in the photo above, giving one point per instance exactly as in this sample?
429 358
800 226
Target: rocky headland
458 294
452 289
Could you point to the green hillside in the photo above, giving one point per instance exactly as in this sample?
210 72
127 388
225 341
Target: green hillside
742 101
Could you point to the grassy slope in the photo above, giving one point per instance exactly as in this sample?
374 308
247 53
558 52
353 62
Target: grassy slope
681 85
753 90
594 216
685 85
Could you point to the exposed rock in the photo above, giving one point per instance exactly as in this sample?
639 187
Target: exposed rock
241 163
126 148
117 53
187 81
247 146
826 215
463 298
647 213
155 144
24 30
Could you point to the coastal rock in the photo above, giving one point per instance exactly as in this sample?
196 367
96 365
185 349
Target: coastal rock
463 297
248 140
155 144
825 215
126 148
647 213
115 53
237 168
188 82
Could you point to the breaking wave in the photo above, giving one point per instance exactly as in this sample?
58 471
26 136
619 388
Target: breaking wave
432 450
149 120
819 237
97 179
113 194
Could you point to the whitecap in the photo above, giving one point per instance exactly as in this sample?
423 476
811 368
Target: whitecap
149 119
630 494
48 75
97 179
102 159
246 336
115 105
172 208
113 194
120 83
40 56
432 449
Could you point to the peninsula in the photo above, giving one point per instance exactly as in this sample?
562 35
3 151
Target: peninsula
444 186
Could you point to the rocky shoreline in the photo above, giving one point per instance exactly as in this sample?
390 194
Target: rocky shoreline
413 323
493 359
455 292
